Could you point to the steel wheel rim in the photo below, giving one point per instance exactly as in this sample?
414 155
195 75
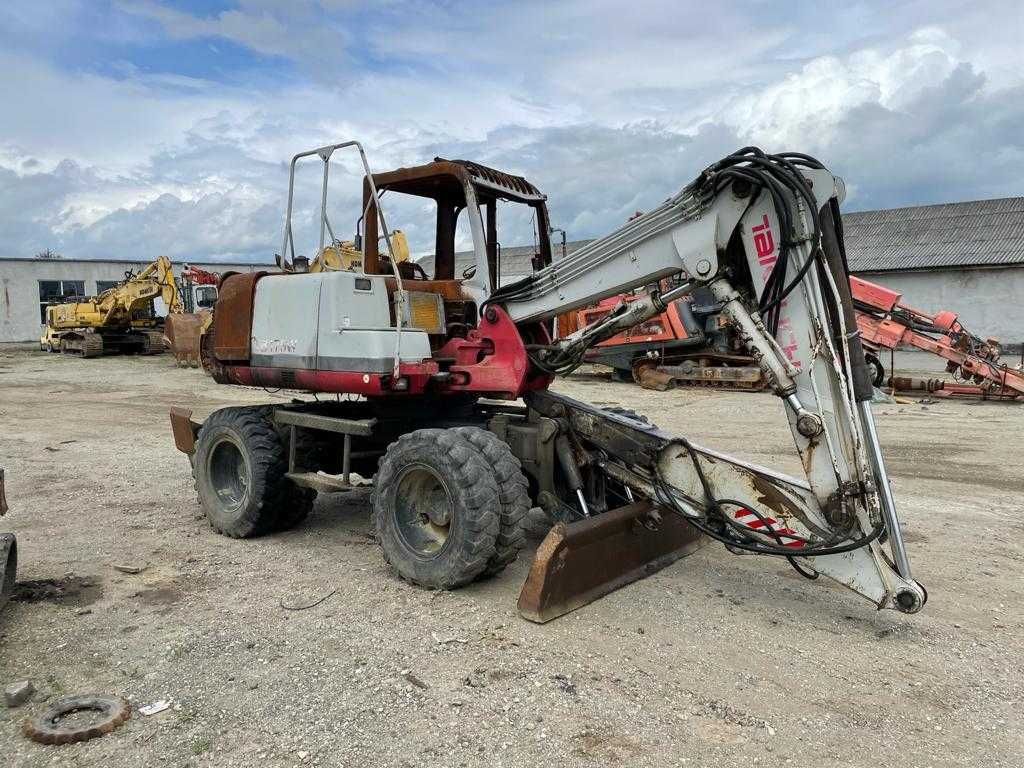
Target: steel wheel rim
423 511
228 472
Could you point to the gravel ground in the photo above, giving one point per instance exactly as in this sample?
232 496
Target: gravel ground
716 661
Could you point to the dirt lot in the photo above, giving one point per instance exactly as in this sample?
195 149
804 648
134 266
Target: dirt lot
716 661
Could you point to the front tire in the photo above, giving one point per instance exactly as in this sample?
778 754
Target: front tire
513 492
436 508
239 469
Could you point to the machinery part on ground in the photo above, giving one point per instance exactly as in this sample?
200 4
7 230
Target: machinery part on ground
122 319
240 469
760 234
46 728
885 322
437 508
8 552
513 492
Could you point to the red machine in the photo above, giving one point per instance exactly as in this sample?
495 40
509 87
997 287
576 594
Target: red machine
198 276
885 323
688 344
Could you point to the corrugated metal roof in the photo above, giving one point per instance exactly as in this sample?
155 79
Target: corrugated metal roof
949 235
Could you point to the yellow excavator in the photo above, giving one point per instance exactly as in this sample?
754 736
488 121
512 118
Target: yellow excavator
121 320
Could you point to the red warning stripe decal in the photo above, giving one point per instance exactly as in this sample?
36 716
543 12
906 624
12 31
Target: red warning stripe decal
758 522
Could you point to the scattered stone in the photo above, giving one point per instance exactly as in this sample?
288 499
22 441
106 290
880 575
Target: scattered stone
18 693
156 707
130 569
411 678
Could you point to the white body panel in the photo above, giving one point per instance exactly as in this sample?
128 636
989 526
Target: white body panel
331 321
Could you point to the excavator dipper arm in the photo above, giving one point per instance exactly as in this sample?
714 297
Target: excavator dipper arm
763 233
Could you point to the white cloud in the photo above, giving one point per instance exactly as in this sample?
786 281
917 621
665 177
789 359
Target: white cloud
606 111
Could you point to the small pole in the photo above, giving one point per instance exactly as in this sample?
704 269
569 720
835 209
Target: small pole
346 459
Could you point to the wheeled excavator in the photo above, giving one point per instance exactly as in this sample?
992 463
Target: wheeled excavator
120 320
443 391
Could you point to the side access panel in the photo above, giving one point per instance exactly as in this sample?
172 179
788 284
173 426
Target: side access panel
285 318
356 332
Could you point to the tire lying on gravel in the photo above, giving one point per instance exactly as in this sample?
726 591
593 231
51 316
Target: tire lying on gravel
239 469
513 493
436 508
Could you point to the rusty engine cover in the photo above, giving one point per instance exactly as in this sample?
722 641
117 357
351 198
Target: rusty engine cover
232 318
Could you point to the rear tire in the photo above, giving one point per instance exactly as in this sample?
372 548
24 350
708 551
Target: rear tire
436 508
239 469
513 492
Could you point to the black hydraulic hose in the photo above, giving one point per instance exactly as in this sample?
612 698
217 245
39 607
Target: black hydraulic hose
713 511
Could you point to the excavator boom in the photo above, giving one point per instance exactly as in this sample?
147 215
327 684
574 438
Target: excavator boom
763 233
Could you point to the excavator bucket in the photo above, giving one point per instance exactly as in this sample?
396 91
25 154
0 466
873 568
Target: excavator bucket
581 561
183 332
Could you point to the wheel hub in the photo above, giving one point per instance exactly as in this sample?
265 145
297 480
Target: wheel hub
423 510
229 473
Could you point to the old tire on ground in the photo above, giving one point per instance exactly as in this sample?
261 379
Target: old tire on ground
239 470
47 729
513 493
436 508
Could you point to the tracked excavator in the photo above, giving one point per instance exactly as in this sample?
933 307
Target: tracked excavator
120 320
689 343
443 392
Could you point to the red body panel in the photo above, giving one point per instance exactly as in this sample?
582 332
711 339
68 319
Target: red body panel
490 361
873 294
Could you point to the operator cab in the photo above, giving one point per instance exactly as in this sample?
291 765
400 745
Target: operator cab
363 316
464 197
467 194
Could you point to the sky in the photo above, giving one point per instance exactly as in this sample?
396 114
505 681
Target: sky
132 128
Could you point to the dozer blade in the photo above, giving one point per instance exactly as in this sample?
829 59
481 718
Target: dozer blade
581 561
183 332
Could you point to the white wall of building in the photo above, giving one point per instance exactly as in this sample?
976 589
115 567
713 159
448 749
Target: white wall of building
990 302
19 286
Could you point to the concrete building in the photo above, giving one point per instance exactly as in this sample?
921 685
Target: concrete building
27 285
966 257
